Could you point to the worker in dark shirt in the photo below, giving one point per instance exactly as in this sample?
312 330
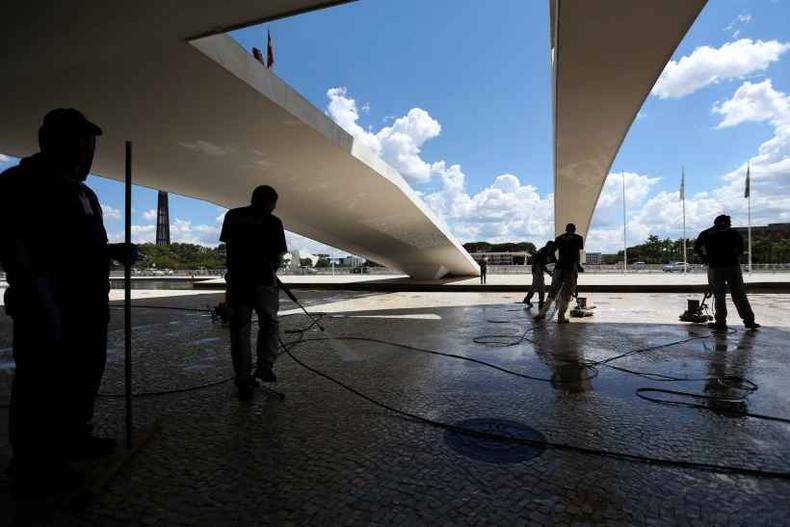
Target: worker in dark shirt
255 246
54 249
721 247
483 269
563 281
540 260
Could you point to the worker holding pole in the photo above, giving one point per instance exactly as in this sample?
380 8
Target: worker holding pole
57 267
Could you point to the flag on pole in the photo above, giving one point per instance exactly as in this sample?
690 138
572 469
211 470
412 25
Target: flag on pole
746 192
269 51
683 184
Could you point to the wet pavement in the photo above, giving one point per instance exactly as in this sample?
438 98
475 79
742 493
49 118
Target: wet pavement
325 456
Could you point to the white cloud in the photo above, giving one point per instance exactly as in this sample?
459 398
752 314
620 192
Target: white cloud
662 214
298 242
110 213
706 65
4 158
149 215
637 187
754 102
399 144
737 24
506 210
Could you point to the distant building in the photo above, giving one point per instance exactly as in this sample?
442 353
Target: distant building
773 231
502 258
351 261
593 259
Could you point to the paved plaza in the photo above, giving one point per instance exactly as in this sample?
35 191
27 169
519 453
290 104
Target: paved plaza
325 456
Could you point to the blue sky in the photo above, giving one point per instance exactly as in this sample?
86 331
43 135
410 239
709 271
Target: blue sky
456 96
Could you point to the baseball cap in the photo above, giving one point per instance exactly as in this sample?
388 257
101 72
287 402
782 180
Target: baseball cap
69 120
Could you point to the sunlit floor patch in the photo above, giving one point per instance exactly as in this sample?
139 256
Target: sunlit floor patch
416 316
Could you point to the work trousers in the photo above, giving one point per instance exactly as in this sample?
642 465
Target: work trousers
60 353
718 280
242 301
563 284
483 274
538 286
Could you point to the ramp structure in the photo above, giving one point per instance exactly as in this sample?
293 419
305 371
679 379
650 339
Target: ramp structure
208 121
606 57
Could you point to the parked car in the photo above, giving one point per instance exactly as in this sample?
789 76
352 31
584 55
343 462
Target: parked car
676 267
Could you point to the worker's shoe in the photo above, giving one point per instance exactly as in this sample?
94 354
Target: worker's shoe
718 326
539 316
562 307
751 324
527 302
265 374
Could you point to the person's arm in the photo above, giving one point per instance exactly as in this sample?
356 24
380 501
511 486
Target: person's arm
14 250
738 243
224 237
281 247
699 247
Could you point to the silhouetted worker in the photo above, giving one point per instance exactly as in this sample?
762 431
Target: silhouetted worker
720 247
255 246
563 280
54 249
483 269
540 260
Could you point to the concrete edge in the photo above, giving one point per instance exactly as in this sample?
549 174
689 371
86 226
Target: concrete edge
755 287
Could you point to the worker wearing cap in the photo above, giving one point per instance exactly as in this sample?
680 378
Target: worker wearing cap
54 249
720 248
563 281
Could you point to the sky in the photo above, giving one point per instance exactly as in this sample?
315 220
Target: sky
456 96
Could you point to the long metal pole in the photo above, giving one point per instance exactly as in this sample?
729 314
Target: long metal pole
685 260
625 244
749 201
127 296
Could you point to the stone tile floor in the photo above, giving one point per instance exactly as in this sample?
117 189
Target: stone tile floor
326 457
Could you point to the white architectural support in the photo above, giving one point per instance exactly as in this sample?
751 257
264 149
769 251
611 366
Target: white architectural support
606 57
209 122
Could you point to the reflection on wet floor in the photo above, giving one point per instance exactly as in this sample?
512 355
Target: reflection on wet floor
325 456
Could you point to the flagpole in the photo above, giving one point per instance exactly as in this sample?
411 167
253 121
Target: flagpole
625 244
749 202
683 197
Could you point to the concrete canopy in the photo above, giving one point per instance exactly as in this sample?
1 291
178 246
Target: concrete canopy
207 121
606 57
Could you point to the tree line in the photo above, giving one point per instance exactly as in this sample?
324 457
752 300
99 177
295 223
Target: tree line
654 250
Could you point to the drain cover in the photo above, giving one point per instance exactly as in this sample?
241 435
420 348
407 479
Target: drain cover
492 450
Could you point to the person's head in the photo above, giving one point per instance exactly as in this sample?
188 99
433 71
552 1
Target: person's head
550 245
571 228
68 141
264 198
722 222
